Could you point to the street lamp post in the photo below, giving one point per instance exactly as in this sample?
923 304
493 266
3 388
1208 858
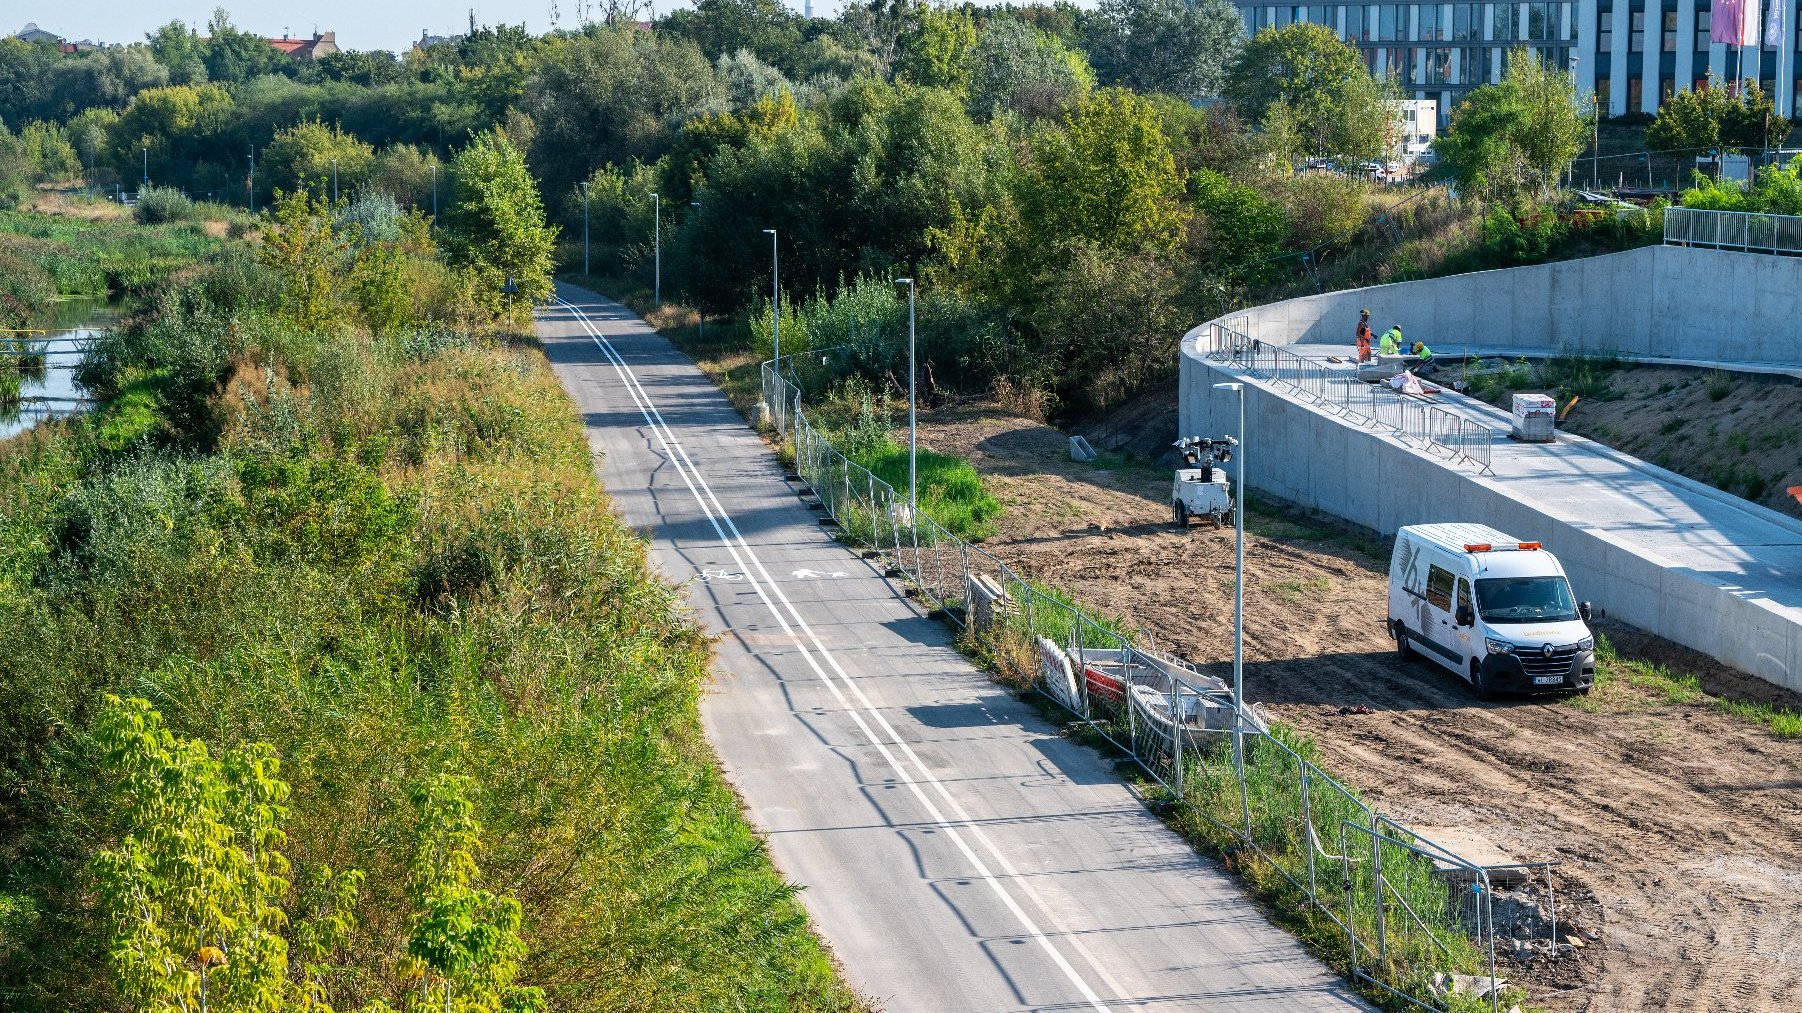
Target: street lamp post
334 181
1239 590
702 337
250 180
913 441
657 247
585 228
434 195
146 168
775 302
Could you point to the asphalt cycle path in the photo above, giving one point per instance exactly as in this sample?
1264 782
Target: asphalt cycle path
954 851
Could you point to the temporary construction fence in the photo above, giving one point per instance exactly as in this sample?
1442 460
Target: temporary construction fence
1363 404
1415 916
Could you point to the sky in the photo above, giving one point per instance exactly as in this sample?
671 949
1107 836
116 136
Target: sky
360 24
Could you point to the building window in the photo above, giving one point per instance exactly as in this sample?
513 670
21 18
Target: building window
1634 91
1666 88
1604 87
1670 32
1461 22
1354 24
1605 32
1636 39
1704 24
1504 22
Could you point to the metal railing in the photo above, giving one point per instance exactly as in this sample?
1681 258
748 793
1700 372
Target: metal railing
1384 885
1733 230
1413 419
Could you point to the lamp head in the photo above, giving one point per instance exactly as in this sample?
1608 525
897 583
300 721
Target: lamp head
1229 386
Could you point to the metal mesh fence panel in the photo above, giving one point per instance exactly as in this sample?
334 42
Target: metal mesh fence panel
1405 918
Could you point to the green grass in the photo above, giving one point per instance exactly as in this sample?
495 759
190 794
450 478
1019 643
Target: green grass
951 491
1663 685
101 257
1297 591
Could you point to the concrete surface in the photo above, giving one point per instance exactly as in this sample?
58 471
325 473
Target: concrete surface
1450 354
954 850
1657 301
1652 548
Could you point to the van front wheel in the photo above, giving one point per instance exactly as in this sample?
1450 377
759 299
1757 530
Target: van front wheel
1403 649
1480 683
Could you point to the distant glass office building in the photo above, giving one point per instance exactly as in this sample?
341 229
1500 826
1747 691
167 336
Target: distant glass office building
1626 53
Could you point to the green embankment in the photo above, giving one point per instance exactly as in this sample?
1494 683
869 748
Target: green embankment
382 552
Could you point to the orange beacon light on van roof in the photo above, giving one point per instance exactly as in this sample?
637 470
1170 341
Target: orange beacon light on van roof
1486 547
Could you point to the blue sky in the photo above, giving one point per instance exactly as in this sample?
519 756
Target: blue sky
360 24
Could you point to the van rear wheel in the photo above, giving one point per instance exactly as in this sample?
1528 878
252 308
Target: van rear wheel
1403 649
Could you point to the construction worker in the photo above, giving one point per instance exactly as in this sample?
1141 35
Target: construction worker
1425 355
1392 341
1364 336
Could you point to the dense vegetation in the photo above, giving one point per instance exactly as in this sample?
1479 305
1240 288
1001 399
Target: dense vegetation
332 681
1048 173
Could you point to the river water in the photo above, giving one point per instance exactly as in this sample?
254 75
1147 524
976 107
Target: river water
51 392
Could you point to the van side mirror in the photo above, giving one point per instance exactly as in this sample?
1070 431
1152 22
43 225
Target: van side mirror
1465 616
1583 610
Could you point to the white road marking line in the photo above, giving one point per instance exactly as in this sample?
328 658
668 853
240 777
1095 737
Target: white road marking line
691 475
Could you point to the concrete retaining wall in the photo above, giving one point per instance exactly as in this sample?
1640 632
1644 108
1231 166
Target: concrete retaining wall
1659 300
1306 456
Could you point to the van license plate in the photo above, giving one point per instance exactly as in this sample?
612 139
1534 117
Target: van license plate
1548 680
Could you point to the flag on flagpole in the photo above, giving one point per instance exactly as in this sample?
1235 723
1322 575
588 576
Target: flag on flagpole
1773 25
1735 22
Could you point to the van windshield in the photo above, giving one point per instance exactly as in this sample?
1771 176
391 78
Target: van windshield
1525 600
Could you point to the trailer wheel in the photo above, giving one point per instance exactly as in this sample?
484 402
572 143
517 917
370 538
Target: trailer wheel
1181 510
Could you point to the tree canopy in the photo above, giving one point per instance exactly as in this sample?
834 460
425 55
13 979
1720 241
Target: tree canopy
1317 89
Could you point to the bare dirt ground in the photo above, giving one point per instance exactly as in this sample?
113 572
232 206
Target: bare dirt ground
1741 432
1679 828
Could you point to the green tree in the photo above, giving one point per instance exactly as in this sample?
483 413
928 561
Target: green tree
466 938
1108 178
1178 47
233 56
403 172
301 157
181 50
177 124
193 891
494 225
1334 106
1512 140
309 251
1015 66
1552 129
720 27
610 95
935 51
1713 118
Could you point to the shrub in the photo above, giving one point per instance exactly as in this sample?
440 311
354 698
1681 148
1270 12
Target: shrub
160 204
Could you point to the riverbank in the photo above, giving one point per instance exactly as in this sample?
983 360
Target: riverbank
375 548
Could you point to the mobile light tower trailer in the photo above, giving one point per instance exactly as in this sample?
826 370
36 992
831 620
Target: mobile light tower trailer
1200 488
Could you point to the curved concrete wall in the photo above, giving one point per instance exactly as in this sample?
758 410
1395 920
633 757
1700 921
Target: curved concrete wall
1310 457
1656 301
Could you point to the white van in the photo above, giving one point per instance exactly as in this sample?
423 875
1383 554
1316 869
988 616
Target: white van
1492 608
